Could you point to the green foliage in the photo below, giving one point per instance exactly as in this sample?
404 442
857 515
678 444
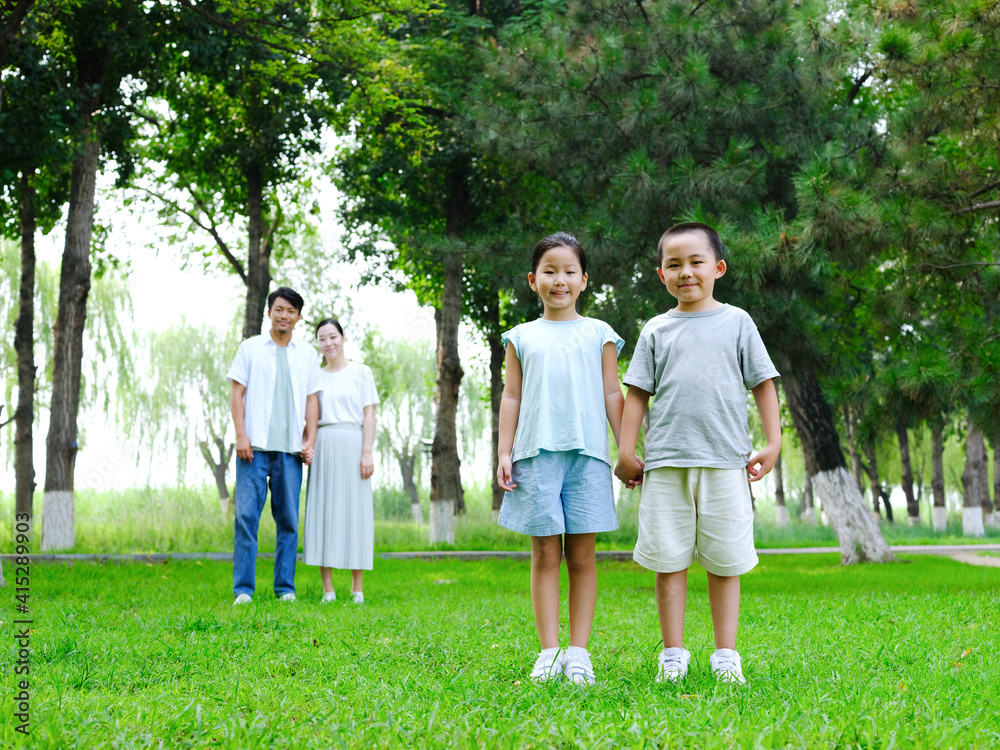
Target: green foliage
438 656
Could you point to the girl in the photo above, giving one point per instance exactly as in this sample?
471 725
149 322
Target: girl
340 519
562 388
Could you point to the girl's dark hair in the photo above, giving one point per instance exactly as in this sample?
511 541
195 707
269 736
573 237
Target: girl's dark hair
559 239
330 322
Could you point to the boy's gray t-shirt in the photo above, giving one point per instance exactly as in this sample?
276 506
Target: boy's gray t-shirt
698 367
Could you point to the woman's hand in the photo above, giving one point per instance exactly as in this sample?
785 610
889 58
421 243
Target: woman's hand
367 465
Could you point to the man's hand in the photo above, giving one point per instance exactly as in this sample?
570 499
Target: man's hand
243 449
308 452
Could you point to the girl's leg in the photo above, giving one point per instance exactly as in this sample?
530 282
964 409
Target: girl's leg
546 555
326 574
356 576
671 599
582 566
724 597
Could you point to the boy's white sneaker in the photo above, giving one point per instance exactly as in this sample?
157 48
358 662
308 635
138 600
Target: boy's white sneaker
578 668
673 664
330 596
358 597
548 665
726 665
242 599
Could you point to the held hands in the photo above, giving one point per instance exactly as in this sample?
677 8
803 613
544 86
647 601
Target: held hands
307 453
504 478
367 465
243 449
763 461
629 469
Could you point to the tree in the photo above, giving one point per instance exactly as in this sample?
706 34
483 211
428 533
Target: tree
404 379
709 113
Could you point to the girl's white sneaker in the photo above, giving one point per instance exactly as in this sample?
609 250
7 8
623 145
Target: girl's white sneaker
358 596
330 597
548 666
673 664
727 666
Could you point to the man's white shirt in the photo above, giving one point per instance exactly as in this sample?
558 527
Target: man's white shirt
255 368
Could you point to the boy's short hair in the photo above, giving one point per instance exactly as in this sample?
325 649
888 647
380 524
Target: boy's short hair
714 240
287 294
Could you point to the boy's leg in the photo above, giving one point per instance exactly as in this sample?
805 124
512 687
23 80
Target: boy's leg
724 598
251 494
546 555
582 566
671 600
286 485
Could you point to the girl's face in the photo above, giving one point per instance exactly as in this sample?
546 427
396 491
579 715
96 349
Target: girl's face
330 342
559 279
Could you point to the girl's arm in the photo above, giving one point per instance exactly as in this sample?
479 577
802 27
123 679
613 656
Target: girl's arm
367 442
613 399
510 408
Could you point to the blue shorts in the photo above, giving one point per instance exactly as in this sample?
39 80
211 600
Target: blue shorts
563 492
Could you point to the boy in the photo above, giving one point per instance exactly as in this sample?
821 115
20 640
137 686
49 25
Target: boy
697 359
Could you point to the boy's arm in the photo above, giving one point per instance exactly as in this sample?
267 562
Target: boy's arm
613 399
510 409
630 468
243 448
766 397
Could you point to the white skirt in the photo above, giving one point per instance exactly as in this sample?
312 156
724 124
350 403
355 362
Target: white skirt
340 519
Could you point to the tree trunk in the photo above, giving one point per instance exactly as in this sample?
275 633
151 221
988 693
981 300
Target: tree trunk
446 477
67 351
852 448
496 396
939 514
780 511
11 26
219 469
808 504
984 488
972 509
258 255
857 532
406 464
24 343
996 481
874 485
912 509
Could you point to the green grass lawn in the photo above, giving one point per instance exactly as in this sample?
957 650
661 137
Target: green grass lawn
148 656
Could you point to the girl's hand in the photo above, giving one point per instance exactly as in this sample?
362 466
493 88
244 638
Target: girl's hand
367 465
504 478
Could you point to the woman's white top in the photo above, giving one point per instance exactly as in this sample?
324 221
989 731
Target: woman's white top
345 394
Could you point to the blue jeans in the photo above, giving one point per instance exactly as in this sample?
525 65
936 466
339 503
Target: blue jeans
282 472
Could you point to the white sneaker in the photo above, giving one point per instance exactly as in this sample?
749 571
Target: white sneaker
726 665
548 665
673 664
242 599
358 596
329 597
289 597
578 668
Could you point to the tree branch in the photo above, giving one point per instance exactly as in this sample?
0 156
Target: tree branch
936 267
11 25
985 189
976 207
857 86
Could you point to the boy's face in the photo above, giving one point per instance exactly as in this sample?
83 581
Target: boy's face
283 316
689 271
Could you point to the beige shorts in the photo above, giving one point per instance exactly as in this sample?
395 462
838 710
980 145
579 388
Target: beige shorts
696 514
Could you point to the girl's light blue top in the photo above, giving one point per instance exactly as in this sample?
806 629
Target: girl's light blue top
562 386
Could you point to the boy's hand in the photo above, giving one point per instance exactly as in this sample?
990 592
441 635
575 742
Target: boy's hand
763 461
629 470
503 474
